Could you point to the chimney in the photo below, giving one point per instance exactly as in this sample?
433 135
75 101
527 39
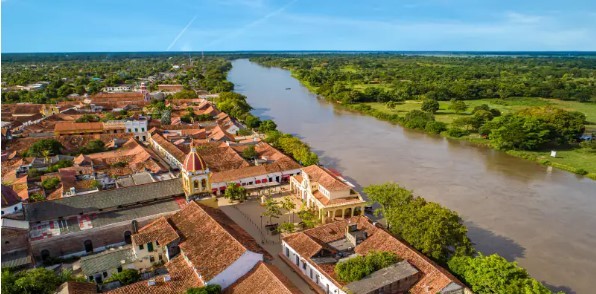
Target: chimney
151 282
167 278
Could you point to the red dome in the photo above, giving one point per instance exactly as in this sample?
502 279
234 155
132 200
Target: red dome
194 162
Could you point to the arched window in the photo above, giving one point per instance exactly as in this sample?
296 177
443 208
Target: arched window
204 183
45 254
196 183
127 238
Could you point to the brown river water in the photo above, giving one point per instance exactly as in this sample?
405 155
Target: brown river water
544 219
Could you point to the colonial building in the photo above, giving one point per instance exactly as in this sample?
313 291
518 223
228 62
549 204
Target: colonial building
203 246
16 251
328 194
137 127
314 253
195 175
11 202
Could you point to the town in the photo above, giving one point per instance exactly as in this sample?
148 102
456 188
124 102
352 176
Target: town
133 190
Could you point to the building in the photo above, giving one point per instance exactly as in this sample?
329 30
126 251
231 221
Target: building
101 266
170 88
11 202
119 88
15 244
210 249
327 193
137 127
195 175
314 253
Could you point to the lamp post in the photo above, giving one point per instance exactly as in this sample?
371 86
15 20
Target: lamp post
261 230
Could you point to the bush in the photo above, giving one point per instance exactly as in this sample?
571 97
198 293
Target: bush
249 152
457 132
417 119
93 147
37 197
38 148
358 267
430 105
50 183
209 289
244 132
435 127
125 277
88 118
581 171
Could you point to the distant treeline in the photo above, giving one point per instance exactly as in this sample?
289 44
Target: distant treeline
383 78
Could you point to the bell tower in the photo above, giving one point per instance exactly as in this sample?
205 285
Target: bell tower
196 176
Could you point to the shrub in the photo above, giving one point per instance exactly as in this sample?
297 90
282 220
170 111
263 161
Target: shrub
38 148
209 289
581 171
417 119
358 267
125 277
50 183
457 132
430 105
93 147
435 127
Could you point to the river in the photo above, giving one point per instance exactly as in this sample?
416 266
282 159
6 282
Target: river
545 219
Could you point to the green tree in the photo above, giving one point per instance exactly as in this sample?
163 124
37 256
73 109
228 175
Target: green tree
494 274
430 106
88 118
458 106
308 217
50 183
209 289
272 209
38 280
287 203
434 230
235 192
358 267
93 146
185 94
125 277
249 152
517 132
286 227
37 149
267 125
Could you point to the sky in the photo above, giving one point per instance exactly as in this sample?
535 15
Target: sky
230 25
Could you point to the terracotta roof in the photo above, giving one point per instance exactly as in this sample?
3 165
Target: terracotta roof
74 126
194 162
181 275
334 202
118 97
9 197
170 88
324 178
309 242
265 279
23 109
159 230
211 240
169 147
72 287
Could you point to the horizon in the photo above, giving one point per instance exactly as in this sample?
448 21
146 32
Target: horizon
292 25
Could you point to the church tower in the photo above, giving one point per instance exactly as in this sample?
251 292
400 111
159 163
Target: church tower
196 176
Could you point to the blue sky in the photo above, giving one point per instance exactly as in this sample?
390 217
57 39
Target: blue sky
195 25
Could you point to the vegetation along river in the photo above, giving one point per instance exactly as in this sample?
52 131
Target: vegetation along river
543 218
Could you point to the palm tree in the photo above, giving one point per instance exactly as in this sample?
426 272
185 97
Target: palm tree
46 155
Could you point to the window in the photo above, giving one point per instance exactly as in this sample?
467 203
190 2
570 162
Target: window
160 257
311 273
105 274
119 269
150 247
287 252
90 278
2 212
7 242
196 184
151 259
15 209
303 265
141 247
142 129
297 260
136 130
204 183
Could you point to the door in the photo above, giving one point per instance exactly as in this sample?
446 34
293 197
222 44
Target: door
88 246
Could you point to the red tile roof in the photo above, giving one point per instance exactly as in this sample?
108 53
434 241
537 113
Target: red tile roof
9 197
159 230
262 279
309 242
211 240
325 178
74 126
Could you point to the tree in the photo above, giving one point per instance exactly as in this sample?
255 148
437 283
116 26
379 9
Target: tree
287 203
272 209
235 192
93 146
37 196
308 217
430 105
434 230
249 152
37 149
517 132
209 289
50 183
267 125
185 94
166 117
87 118
358 267
458 106
286 227
46 155
125 277
38 280
494 274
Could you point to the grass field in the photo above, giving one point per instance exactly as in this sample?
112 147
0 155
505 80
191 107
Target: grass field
570 160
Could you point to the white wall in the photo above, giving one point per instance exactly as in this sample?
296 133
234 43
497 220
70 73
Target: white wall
245 263
12 209
323 281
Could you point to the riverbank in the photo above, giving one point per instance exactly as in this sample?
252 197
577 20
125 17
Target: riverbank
576 160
